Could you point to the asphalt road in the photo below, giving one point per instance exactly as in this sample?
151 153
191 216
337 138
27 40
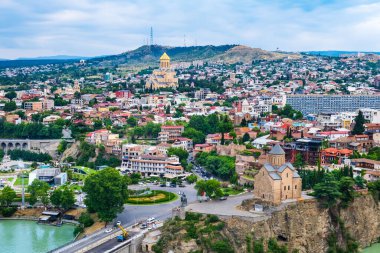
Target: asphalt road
133 213
109 245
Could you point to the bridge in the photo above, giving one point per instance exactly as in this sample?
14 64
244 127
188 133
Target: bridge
41 145
101 242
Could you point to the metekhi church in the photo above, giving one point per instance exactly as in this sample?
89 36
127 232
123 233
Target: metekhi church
277 180
164 77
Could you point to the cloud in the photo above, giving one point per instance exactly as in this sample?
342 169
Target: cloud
93 27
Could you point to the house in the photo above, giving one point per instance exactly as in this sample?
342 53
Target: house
172 132
334 155
277 180
49 175
203 148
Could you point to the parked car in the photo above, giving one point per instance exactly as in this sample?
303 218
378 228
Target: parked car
223 198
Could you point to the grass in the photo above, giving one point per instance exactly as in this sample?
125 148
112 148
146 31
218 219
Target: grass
231 191
10 179
19 181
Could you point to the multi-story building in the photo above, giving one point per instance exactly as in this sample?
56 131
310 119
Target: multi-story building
332 103
171 133
185 143
310 150
46 104
149 161
334 155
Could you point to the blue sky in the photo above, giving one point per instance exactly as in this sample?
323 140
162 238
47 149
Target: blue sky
31 28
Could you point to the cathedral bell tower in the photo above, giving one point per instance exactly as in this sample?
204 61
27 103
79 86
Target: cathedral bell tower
164 61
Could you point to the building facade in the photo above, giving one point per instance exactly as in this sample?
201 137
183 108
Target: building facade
277 180
164 77
332 103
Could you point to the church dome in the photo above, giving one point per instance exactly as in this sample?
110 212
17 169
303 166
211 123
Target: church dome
164 56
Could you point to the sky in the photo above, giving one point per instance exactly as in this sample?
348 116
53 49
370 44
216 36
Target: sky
30 28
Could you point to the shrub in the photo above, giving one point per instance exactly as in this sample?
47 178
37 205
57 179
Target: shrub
86 220
212 219
222 247
168 197
78 230
192 216
8 211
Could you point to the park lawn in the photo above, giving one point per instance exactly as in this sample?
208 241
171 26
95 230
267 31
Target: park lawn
10 179
19 181
231 191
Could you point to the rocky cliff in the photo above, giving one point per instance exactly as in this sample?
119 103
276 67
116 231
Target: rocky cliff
306 227
303 227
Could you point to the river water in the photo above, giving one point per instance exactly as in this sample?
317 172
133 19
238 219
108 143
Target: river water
19 236
375 248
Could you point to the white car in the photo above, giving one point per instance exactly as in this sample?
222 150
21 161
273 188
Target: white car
118 223
109 230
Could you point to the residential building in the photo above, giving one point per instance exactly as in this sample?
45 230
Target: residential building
171 133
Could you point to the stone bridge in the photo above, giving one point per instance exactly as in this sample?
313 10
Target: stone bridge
46 146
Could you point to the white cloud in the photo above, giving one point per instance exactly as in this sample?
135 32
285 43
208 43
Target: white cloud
84 27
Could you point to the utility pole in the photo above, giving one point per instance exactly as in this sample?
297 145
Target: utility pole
151 36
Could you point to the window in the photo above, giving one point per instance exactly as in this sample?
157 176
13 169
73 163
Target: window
295 187
288 187
287 175
285 188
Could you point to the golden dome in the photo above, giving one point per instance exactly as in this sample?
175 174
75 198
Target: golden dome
164 57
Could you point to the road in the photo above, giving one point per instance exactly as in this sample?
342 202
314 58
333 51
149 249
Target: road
133 214
223 207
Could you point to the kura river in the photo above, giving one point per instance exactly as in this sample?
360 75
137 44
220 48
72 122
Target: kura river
19 236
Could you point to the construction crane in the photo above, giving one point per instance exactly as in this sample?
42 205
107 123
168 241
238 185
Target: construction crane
123 236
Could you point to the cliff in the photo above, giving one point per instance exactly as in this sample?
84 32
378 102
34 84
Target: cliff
303 226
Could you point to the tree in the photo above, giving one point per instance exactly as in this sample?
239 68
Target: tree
359 124
106 192
180 153
244 122
63 197
225 126
197 136
327 192
135 178
210 187
10 106
11 95
86 220
167 110
191 179
38 191
246 137
7 195
132 121
299 161
346 187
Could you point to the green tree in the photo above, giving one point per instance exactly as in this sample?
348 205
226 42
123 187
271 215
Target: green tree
38 191
299 161
106 193
7 195
167 110
327 192
11 95
211 187
132 121
191 179
197 136
359 124
346 188
180 153
10 106
86 220
246 137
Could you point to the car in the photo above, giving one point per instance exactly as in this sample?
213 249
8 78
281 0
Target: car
162 185
143 226
182 186
223 198
173 185
118 223
109 230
